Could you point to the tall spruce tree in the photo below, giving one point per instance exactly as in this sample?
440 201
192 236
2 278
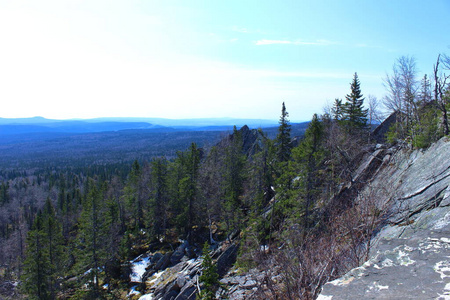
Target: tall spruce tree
308 158
209 278
159 197
336 110
353 113
185 189
54 243
132 196
233 173
36 278
233 180
44 255
92 252
283 140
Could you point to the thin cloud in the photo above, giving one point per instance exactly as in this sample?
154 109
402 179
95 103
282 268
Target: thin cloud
246 30
295 42
240 29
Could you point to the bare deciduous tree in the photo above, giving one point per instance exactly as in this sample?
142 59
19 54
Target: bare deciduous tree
441 94
402 89
375 109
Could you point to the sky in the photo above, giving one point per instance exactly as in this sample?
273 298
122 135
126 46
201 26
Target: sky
66 59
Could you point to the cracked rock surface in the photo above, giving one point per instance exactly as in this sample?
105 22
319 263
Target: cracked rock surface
410 258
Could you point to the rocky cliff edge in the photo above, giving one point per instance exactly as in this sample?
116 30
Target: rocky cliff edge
410 255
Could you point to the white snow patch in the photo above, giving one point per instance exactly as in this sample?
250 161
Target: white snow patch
404 259
445 240
446 294
146 297
378 287
387 263
443 267
342 281
155 276
324 297
138 267
441 223
408 248
133 291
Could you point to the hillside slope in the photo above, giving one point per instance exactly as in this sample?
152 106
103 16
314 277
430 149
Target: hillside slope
409 257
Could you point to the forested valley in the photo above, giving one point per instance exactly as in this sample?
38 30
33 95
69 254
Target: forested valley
72 232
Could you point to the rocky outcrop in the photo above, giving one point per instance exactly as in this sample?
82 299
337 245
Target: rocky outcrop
240 286
179 278
250 140
410 255
379 133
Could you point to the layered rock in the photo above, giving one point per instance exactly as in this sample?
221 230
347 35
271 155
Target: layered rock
175 275
410 255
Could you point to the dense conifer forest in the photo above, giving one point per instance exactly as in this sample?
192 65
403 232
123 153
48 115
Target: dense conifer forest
70 232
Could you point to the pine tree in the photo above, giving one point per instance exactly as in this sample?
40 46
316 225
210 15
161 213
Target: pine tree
283 140
353 113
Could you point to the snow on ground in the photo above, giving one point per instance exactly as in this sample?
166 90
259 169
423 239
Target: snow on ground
138 266
133 291
146 297
156 276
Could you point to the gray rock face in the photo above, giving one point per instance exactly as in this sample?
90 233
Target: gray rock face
180 280
241 286
412 268
410 256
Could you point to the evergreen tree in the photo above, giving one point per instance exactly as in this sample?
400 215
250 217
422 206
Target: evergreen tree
209 278
93 229
353 113
133 198
259 190
233 173
309 157
37 269
233 180
159 196
337 109
54 243
283 140
425 91
185 189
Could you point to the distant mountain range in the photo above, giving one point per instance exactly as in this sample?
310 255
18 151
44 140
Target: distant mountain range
131 122
33 141
40 125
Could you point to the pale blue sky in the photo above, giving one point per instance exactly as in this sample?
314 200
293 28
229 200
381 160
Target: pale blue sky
191 59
